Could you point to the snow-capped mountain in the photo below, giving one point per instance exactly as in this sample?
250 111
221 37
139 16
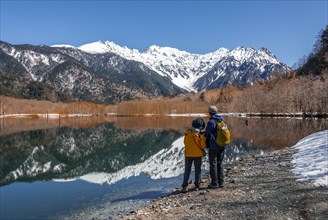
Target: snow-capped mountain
241 66
105 78
181 67
106 72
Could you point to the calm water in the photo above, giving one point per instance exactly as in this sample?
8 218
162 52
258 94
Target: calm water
70 169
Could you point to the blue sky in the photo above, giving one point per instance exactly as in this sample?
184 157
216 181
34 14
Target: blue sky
287 28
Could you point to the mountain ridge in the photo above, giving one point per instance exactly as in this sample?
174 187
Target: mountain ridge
111 73
166 60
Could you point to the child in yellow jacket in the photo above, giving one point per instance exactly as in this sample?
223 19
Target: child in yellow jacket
194 142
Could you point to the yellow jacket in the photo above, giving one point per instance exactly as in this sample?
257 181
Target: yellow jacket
193 140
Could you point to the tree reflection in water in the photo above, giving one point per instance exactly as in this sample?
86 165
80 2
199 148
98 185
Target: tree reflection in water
81 146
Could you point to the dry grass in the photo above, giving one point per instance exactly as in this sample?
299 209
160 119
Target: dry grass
279 95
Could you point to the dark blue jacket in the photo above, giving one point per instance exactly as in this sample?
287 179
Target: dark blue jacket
210 133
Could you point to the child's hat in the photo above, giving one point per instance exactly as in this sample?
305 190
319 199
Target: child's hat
198 123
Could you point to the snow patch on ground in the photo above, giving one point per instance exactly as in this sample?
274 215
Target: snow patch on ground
188 115
311 161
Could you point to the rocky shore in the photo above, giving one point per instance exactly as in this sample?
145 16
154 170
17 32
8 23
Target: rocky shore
257 187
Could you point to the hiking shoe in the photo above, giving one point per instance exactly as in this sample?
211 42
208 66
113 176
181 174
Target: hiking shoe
195 189
184 190
221 184
212 186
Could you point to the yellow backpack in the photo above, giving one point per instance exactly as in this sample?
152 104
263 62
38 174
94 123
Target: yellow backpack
223 134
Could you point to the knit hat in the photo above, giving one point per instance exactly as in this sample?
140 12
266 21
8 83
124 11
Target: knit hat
198 123
212 109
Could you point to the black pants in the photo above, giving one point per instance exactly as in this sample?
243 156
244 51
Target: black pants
198 164
216 166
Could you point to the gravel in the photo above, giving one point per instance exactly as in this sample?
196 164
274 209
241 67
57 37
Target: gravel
257 187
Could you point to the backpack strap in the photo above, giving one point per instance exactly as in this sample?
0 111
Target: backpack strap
214 128
195 141
202 150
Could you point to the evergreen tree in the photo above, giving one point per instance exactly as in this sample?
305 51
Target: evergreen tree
316 63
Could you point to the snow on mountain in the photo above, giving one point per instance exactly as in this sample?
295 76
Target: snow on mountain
63 46
56 67
183 68
35 63
153 72
241 67
243 54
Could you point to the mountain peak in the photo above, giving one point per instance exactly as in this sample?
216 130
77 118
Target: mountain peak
242 53
164 50
153 48
267 52
62 46
96 47
109 47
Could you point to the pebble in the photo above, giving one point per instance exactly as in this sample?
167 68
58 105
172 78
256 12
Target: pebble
263 189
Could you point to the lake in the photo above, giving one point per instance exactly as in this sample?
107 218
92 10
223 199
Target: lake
83 167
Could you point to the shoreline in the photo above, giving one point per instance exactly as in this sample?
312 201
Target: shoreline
297 115
257 187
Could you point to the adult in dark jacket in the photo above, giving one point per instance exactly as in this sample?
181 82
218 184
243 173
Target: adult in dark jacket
215 152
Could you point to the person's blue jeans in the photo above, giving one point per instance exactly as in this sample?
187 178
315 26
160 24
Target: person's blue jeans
188 163
216 166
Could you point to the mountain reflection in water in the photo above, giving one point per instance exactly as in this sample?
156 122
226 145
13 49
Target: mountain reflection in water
70 152
113 149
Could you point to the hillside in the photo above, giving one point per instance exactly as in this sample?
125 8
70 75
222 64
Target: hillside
317 62
103 72
20 87
100 79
